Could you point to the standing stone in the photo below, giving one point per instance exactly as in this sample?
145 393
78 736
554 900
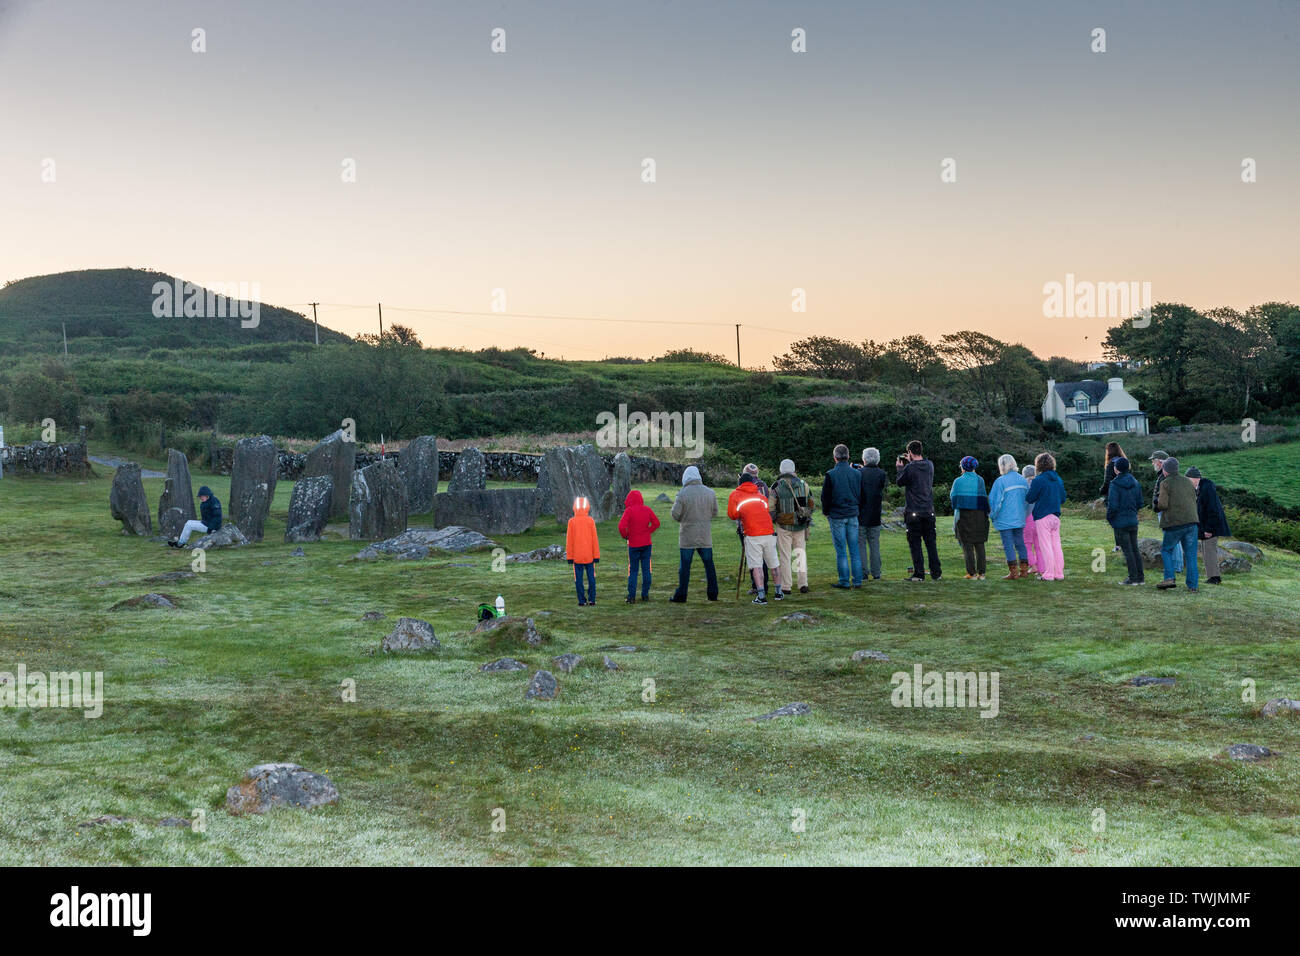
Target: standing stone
418 466
574 472
545 504
495 511
176 506
470 471
309 508
126 500
336 459
622 482
377 505
252 484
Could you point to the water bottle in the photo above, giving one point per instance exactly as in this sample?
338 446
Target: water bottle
501 606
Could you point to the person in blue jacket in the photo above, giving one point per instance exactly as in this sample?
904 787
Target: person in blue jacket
1123 502
1007 511
970 517
209 519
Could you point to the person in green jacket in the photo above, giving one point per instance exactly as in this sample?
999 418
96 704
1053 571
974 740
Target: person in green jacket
1176 502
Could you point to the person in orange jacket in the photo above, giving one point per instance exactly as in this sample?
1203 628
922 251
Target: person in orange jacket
582 550
749 505
638 523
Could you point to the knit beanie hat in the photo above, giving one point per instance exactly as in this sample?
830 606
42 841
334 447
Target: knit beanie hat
205 492
1170 466
1121 465
969 464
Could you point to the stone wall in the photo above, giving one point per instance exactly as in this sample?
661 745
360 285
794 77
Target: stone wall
43 458
501 465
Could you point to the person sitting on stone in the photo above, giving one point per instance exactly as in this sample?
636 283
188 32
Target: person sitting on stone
209 519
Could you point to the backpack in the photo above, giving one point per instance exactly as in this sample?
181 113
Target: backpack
486 612
793 507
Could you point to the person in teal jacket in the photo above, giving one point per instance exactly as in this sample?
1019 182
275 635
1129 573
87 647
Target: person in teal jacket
970 517
1007 510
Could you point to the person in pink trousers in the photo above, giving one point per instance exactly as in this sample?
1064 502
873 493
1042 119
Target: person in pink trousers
1046 495
1031 540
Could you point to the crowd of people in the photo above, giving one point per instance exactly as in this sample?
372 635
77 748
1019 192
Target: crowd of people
1023 506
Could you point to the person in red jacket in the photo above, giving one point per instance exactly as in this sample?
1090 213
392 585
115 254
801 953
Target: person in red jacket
749 505
582 550
637 525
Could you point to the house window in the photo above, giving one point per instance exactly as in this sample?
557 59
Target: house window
1081 403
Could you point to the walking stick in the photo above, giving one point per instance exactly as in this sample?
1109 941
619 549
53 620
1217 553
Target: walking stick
740 570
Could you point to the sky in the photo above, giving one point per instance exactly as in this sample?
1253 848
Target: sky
774 170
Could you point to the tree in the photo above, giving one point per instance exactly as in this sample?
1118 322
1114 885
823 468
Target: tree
918 359
975 356
1166 348
825 357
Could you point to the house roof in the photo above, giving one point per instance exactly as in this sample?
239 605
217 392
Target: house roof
1095 391
1126 413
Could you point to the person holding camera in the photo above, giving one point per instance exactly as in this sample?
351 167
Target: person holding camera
915 475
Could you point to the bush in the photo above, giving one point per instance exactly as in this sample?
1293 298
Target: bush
1248 526
1167 423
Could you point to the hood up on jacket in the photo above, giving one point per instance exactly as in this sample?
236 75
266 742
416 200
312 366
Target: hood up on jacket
691 474
581 507
633 498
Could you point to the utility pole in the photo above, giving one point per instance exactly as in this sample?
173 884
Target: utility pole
313 320
737 345
381 320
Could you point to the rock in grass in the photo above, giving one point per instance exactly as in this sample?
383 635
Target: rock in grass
523 630
543 686
551 552
789 710
1143 680
799 617
280 785
1280 705
411 634
297 553
373 616
567 662
611 664
164 601
621 648
663 499
107 820
227 536
177 822
1250 752
417 543
309 508
1246 550
860 656
504 664
127 503
170 576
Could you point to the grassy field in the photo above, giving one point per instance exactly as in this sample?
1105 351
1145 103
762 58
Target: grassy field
1272 470
249 670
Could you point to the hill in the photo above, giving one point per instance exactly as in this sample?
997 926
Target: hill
112 309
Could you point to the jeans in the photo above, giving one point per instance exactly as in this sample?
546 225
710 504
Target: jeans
1127 540
869 542
1184 537
684 572
638 559
1013 545
844 535
190 527
920 529
588 596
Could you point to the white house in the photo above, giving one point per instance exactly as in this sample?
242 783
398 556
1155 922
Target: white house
1093 408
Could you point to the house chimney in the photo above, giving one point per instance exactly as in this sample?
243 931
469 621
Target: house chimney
1051 384
1116 384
